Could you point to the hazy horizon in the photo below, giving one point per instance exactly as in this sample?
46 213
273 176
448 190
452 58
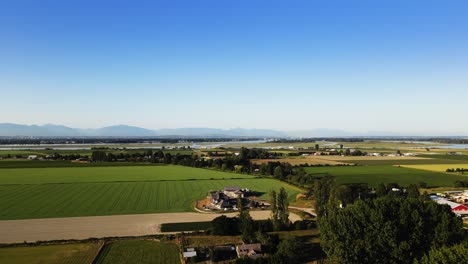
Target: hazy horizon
398 66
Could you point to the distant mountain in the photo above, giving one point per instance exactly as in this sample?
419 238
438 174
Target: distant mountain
119 131
12 130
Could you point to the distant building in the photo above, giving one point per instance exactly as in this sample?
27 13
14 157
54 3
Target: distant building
32 157
457 208
249 251
227 198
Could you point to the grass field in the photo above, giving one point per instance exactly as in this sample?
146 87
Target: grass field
110 174
139 252
66 192
373 175
182 227
50 254
12 163
439 167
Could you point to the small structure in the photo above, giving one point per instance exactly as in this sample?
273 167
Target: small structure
189 253
32 157
233 192
249 251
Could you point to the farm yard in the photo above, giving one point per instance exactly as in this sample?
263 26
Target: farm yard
83 253
68 192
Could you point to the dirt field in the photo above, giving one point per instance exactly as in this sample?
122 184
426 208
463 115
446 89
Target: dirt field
311 160
18 231
346 158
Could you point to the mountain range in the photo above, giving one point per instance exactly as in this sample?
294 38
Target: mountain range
50 130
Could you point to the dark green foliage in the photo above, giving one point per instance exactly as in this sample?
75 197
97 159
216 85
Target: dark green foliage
446 255
387 230
322 193
291 250
412 191
225 226
461 183
182 227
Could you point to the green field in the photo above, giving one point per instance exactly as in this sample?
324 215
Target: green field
110 174
11 163
139 252
66 192
50 254
374 175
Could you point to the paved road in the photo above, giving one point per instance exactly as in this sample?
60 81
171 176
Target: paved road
32 230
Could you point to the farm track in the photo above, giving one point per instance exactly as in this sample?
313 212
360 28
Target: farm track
32 230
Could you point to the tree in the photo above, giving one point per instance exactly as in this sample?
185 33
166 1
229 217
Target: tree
274 207
454 254
317 147
381 190
413 191
225 226
246 223
291 250
387 230
278 173
322 192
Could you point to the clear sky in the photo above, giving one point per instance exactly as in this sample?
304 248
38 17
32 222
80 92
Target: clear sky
397 66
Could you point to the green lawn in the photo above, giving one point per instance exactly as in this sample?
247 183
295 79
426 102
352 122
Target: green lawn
50 254
373 175
139 252
66 192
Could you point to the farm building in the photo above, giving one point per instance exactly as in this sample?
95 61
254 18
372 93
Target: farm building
249 251
32 157
233 192
227 198
457 208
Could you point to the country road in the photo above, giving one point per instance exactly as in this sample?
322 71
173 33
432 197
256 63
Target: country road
32 230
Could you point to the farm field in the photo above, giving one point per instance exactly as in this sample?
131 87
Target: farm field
401 161
12 163
50 254
299 161
438 167
139 252
374 175
111 174
68 192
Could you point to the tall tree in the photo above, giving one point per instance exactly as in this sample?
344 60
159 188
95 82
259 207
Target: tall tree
322 192
274 207
283 204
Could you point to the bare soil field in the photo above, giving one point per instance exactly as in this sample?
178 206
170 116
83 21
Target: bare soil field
347 158
32 230
311 160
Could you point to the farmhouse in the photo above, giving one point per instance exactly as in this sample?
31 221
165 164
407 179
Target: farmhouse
32 157
249 251
227 198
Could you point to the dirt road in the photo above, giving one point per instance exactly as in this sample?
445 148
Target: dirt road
31 230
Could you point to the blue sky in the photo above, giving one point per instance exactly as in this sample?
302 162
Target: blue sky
396 66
